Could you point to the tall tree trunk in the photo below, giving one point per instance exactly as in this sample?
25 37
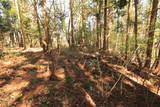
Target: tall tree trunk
71 22
2 39
98 19
105 42
151 33
46 26
23 36
38 23
98 37
135 24
12 40
158 62
68 34
117 29
136 32
83 21
127 30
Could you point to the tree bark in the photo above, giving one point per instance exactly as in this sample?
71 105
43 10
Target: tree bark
38 23
127 30
135 24
151 33
23 36
156 66
71 22
46 27
83 21
105 39
136 32
98 19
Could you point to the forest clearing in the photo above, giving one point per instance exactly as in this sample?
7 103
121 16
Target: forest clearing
78 53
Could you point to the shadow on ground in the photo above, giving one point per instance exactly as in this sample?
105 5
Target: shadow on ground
89 78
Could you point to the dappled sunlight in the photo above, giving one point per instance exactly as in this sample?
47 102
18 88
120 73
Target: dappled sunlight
29 68
45 75
9 98
7 63
24 105
71 80
79 53
16 84
34 50
17 75
42 61
40 89
12 91
5 71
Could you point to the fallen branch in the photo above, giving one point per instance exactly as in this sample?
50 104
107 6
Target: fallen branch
109 93
139 80
88 98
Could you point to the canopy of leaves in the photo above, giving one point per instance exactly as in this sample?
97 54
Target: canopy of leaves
120 3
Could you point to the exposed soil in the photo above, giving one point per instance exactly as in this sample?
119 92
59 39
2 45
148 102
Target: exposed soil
73 78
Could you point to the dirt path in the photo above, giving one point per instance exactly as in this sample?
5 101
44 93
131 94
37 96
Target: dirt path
80 79
20 71
24 80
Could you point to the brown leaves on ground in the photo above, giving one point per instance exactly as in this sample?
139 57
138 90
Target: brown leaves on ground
72 78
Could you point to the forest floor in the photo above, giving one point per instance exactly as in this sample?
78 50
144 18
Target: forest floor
74 78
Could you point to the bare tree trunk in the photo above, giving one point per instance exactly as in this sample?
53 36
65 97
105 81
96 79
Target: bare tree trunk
23 36
105 42
151 33
136 32
157 64
83 19
46 26
98 38
71 22
127 30
68 34
99 24
38 23
12 41
2 39
135 24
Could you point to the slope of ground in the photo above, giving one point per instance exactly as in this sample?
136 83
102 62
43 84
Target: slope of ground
74 78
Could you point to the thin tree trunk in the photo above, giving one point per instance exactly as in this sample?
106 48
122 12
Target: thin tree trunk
100 24
23 38
117 29
136 32
83 19
158 63
135 24
12 41
68 33
127 30
71 22
46 26
2 39
98 19
105 42
98 38
151 33
38 23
